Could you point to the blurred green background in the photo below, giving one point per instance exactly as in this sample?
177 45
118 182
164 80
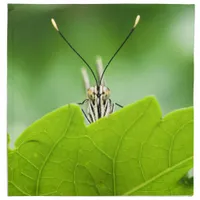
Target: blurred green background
44 73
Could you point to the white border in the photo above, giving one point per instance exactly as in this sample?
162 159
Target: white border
3 94
3 99
197 103
103 2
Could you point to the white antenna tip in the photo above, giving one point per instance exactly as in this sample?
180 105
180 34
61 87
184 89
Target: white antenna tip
54 24
136 21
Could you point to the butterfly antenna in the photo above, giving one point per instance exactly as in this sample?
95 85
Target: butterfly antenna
131 31
56 27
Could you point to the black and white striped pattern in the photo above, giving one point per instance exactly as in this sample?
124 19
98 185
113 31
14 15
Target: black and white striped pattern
98 100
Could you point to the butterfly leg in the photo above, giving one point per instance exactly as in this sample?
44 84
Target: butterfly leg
118 105
112 107
86 116
82 102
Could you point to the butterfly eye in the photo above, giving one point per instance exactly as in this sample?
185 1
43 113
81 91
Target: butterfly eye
107 93
91 93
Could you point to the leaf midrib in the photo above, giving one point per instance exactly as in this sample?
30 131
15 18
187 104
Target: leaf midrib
158 176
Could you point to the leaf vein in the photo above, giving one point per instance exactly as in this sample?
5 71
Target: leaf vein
120 142
158 176
25 193
50 152
173 139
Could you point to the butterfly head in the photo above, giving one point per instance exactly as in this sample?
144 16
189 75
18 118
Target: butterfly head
98 92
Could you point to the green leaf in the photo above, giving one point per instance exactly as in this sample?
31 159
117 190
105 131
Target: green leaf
134 151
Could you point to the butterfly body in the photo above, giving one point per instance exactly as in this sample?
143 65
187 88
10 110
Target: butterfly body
98 102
